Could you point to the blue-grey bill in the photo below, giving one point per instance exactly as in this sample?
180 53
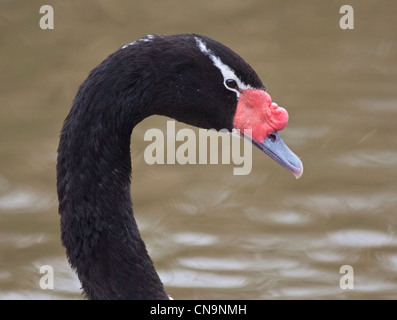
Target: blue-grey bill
276 149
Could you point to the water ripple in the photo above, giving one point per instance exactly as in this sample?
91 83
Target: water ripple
342 203
379 104
183 278
22 201
194 239
21 240
207 263
370 158
361 238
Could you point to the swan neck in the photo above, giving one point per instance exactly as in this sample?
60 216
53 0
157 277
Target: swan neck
99 231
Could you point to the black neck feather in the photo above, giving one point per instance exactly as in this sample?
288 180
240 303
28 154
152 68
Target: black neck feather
93 177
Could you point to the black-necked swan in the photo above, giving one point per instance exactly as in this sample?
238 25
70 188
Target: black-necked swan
188 77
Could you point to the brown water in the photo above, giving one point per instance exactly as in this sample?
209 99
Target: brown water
213 235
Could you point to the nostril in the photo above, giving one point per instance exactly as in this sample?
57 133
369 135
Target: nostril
272 137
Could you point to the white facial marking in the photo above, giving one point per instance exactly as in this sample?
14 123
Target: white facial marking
147 38
226 71
128 44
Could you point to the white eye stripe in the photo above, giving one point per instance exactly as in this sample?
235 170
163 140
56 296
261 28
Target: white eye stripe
226 71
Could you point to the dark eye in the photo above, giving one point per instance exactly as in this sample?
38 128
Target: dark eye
231 84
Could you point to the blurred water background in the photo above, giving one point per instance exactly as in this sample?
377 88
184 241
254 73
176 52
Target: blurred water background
213 235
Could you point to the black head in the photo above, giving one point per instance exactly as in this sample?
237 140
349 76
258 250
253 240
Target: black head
188 77
191 78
